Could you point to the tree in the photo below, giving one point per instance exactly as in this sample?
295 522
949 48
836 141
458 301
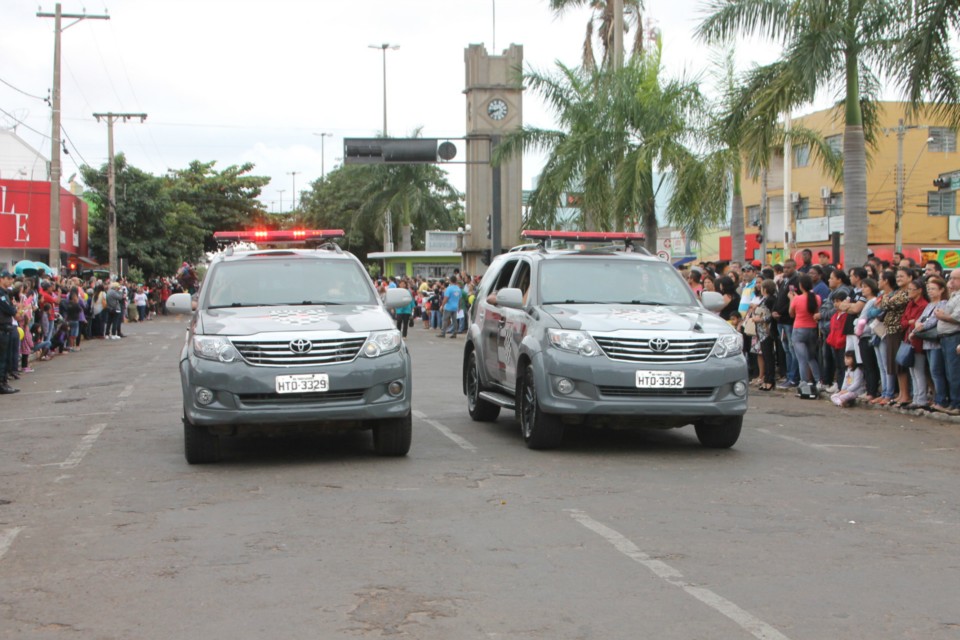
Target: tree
621 131
849 40
154 233
603 16
224 201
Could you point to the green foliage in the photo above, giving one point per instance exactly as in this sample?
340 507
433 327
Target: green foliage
134 274
162 221
355 198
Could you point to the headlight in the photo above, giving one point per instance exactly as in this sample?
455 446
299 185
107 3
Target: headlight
728 346
214 348
381 342
574 341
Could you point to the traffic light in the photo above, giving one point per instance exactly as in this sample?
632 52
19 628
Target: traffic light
489 227
942 183
73 267
485 257
390 150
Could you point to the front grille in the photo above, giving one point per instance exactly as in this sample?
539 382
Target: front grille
634 392
277 353
259 399
638 349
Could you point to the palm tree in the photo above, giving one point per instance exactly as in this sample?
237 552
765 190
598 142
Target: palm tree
824 42
620 132
926 67
415 195
603 16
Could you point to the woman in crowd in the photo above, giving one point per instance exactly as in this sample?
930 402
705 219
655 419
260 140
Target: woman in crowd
913 314
865 336
404 313
763 317
71 310
803 307
876 317
894 304
937 292
708 282
728 290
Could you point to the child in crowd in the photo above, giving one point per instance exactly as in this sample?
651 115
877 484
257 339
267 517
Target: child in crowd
39 342
853 383
26 343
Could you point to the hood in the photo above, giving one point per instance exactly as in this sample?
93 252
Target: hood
246 321
605 318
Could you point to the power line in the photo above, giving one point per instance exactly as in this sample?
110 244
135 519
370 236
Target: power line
24 124
29 95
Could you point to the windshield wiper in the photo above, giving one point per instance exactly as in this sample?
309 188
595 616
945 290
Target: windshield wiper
651 303
573 302
308 303
232 305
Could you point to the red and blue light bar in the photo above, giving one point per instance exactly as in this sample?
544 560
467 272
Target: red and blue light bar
581 236
286 235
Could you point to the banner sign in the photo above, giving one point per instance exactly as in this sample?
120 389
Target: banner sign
25 217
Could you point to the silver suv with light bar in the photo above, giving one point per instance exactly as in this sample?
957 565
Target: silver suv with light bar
606 336
291 340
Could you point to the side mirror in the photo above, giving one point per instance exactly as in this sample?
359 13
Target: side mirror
511 298
713 301
397 298
181 303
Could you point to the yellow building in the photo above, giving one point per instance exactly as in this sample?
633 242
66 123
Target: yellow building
929 221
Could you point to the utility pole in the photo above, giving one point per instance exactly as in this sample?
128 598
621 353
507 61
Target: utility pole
53 260
112 184
787 184
898 216
293 207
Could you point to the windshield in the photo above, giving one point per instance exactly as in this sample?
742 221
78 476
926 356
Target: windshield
605 281
289 281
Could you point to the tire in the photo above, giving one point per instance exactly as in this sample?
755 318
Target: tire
199 446
721 433
479 409
540 430
392 437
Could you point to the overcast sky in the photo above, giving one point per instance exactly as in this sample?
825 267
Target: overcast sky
253 80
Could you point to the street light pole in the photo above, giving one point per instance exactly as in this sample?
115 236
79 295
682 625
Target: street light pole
323 154
280 191
293 207
383 47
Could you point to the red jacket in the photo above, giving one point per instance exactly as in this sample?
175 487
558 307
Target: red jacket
46 296
910 316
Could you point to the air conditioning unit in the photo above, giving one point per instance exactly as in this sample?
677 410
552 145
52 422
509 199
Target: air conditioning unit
794 197
826 193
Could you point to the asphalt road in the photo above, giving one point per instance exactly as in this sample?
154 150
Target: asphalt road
821 523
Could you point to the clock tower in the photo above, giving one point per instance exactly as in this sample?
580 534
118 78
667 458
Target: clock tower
494 93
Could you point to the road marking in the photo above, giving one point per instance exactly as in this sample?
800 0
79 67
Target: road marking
821 447
73 415
7 536
127 391
461 442
85 445
753 625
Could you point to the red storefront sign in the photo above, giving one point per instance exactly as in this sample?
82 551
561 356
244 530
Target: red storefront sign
25 217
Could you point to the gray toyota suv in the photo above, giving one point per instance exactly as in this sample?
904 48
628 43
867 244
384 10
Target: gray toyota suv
601 337
291 340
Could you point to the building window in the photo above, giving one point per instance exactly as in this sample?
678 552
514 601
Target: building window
801 157
801 209
835 205
753 215
944 139
941 203
835 143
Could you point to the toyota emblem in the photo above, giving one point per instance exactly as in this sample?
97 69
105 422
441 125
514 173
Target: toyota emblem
301 346
659 345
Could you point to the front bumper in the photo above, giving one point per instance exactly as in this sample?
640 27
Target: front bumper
605 387
245 395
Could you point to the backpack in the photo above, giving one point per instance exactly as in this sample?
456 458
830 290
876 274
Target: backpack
837 339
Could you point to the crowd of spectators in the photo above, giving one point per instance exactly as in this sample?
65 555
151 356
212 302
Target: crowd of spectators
438 303
885 333
53 316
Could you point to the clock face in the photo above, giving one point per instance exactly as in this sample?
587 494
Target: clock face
497 109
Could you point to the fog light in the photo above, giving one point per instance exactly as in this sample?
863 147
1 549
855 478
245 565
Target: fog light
395 388
740 388
564 386
204 396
